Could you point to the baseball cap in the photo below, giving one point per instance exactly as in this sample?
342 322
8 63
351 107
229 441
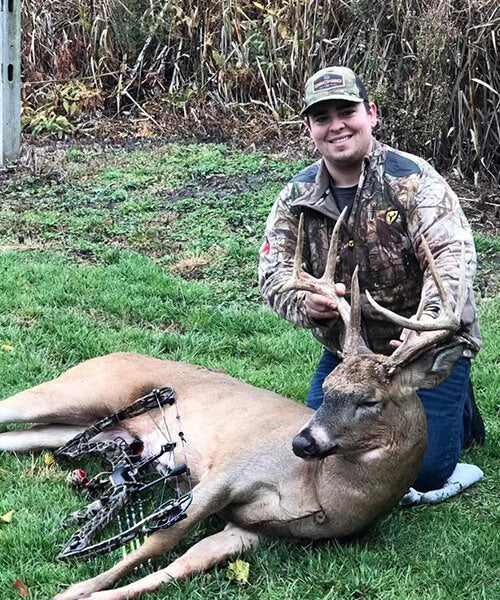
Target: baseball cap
333 83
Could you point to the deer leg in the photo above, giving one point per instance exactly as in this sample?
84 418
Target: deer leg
209 496
37 438
202 556
28 406
85 393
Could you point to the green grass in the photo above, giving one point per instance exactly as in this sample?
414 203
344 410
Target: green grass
155 252
199 209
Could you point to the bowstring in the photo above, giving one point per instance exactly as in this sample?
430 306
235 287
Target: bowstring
183 444
168 438
166 434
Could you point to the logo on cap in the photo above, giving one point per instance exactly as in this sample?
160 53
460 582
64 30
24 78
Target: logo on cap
327 82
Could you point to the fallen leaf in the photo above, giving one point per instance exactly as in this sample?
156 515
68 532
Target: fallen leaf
146 130
238 570
7 348
23 590
48 458
7 517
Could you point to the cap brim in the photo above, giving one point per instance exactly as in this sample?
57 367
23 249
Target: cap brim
346 97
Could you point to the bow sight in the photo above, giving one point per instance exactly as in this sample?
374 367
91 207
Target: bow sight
119 492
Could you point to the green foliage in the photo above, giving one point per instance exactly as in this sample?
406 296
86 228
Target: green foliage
107 246
46 121
76 97
485 244
61 107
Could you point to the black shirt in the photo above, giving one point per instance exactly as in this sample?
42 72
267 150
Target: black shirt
344 196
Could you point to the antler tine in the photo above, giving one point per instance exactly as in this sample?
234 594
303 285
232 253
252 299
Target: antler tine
353 340
449 319
297 261
462 285
325 285
329 273
295 282
435 275
443 326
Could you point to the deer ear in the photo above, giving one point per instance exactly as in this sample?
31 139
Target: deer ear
432 367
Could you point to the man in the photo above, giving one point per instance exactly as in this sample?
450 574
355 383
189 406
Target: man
391 198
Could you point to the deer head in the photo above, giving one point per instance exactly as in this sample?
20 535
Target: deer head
370 395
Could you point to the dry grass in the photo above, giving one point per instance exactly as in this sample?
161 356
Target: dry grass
430 65
191 267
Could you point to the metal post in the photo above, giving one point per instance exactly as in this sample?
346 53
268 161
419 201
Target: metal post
10 81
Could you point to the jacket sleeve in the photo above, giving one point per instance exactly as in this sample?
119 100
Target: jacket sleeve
436 214
277 258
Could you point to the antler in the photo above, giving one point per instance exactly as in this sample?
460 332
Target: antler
325 286
444 326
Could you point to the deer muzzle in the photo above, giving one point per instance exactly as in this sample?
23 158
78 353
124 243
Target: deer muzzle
307 445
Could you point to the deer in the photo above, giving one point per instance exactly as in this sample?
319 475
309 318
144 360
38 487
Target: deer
267 465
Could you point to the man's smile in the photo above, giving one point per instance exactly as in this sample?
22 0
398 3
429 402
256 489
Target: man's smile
342 132
341 140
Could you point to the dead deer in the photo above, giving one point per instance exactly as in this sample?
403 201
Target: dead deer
352 460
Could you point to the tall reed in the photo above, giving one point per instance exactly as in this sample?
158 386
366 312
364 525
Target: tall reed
431 65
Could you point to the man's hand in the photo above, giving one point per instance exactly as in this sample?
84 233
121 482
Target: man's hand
321 307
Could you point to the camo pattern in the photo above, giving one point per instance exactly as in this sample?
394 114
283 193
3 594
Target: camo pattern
399 198
333 83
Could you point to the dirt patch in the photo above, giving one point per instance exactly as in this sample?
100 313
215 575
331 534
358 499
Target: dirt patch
172 327
20 247
481 206
219 185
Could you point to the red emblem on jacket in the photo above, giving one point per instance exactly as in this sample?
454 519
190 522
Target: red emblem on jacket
265 248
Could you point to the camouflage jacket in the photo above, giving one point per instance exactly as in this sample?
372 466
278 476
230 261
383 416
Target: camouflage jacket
399 197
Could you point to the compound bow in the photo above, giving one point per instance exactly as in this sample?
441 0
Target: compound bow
120 490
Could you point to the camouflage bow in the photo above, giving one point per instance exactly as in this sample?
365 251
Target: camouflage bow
119 491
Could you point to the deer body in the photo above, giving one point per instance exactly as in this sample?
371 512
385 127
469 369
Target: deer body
238 450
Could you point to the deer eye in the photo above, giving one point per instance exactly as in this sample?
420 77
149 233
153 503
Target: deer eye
369 403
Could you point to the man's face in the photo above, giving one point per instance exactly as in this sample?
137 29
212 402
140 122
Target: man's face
342 131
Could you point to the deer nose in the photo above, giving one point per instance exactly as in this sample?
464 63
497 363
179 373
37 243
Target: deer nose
304 445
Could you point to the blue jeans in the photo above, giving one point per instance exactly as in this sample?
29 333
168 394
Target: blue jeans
448 410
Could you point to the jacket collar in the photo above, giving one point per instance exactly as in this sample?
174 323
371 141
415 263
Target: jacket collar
318 196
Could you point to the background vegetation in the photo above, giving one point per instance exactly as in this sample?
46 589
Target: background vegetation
236 69
155 251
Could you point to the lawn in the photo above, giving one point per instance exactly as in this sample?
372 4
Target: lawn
154 251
